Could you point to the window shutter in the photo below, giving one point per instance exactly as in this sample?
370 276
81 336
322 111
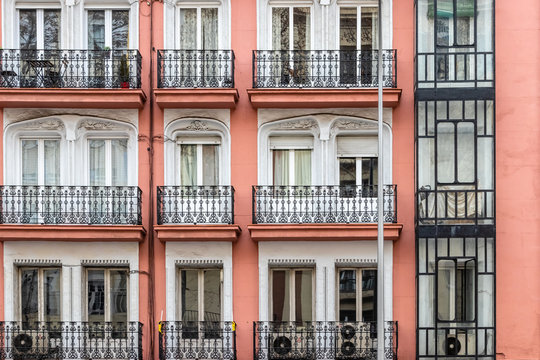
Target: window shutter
209 140
291 142
349 146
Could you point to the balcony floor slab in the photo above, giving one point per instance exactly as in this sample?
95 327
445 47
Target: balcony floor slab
75 233
197 232
196 98
72 98
321 98
322 232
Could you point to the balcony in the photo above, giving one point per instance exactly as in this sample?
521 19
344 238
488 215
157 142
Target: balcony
196 213
322 340
196 78
76 340
68 76
197 340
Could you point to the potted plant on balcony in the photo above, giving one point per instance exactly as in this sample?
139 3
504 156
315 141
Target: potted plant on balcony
123 72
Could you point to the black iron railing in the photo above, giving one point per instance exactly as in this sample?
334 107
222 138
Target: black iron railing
322 68
321 204
70 340
195 68
34 204
199 340
102 69
205 204
455 206
322 340
450 67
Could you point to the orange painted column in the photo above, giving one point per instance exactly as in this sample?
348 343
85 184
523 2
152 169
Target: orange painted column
517 39
403 172
243 176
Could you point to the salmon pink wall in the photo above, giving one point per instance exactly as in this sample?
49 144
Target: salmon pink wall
517 178
403 172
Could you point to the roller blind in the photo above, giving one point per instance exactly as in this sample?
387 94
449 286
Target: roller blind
212 140
357 146
291 142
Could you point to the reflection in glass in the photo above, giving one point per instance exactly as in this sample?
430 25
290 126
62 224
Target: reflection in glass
347 295
347 171
303 284
120 29
189 295
96 29
280 28
51 29
118 304
212 295
51 286
369 295
301 28
27 29
29 296
96 296
280 295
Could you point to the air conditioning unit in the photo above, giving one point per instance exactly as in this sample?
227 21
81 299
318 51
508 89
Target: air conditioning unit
458 344
290 346
354 341
29 344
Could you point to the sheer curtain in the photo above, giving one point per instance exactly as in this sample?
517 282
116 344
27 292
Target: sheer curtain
97 162
188 165
209 27
52 162
280 28
302 167
210 164
29 162
281 167
119 162
188 29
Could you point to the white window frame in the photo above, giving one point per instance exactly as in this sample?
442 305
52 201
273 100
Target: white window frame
41 156
292 180
199 142
358 285
199 25
108 25
291 23
108 158
200 291
358 159
292 292
40 44
107 284
358 7
41 290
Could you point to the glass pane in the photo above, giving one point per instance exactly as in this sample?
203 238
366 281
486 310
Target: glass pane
280 28
347 28
369 172
280 295
446 292
188 29
347 295
27 29
188 165
445 153
97 162
465 152
52 162
301 30
51 279
303 287
302 167
120 29
464 22
119 162
281 167
29 296
118 305
51 29
347 172
96 29
443 31
465 284
29 162
212 295
96 296
210 165
369 31
209 28
190 295
369 295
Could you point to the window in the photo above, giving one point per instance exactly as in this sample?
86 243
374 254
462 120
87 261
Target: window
291 28
39 29
291 160
292 295
199 28
39 295
198 162
456 289
107 295
357 294
107 162
357 159
200 294
108 29
455 22
40 160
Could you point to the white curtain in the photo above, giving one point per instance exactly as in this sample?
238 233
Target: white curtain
188 165
210 164
119 162
29 162
281 167
302 167
52 162
188 29
97 162
209 27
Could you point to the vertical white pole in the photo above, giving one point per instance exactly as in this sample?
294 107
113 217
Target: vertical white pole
380 203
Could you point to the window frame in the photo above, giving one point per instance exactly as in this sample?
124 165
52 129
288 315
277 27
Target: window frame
108 25
453 303
199 142
200 291
198 35
40 25
291 7
358 175
359 7
452 28
41 157
41 291
292 177
359 290
292 292
107 287
108 158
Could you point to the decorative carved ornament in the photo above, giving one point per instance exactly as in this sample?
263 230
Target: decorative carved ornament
356 262
199 264
197 125
298 124
98 262
353 125
48 124
37 262
96 125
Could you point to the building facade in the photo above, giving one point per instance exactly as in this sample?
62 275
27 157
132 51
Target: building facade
198 179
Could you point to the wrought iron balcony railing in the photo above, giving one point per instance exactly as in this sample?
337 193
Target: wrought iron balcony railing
455 67
195 68
101 69
70 340
322 68
322 340
321 204
104 205
199 340
458 206
205 204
